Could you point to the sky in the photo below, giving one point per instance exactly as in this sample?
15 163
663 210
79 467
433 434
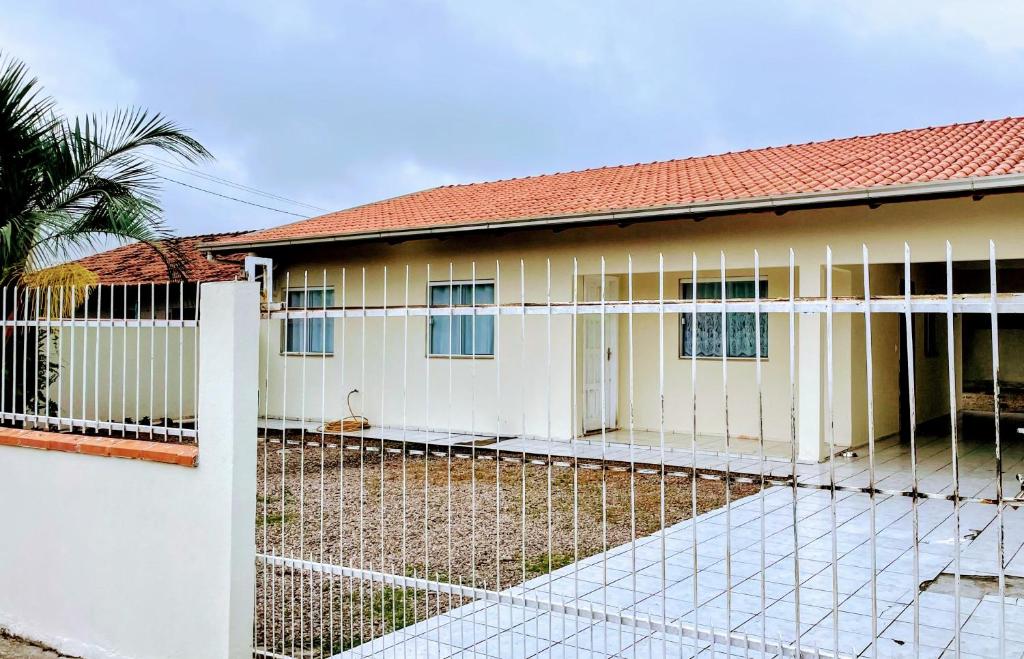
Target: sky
334 104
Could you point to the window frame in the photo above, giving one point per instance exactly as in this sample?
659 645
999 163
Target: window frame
328 322
684 317
430 318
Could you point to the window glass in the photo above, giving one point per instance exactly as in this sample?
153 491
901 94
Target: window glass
741 328
310 335
456 335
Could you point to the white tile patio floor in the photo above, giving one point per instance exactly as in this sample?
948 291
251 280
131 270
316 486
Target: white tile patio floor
635 585
711 450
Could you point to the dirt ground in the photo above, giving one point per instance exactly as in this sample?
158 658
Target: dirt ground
456 520
12 647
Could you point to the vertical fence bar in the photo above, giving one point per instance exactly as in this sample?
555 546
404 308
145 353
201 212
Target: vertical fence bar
285 351
794 448
405 453
954 447
138 356
124 362
869 378
760 446
912 395
362 456
574 352
472 423
724 347
305 348
85 363
451 405
37 333
49 340
830 429
181 357
323 450
547 430
383 410
167 355
997 418
662 512
3 360
71 374
342 558
632 456
96 362
604 446
152 355
693 450
497 436
110 365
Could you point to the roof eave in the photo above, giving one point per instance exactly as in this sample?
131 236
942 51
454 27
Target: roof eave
887 193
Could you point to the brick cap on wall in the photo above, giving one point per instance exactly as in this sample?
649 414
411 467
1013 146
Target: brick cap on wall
178 454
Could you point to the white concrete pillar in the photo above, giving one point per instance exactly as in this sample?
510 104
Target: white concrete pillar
228 390
810 366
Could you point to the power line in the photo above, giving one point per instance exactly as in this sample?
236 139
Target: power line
224 196
223 181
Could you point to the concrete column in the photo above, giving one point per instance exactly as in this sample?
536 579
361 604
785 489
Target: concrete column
228 389
810 348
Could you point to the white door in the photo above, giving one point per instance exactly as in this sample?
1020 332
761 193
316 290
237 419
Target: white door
600 358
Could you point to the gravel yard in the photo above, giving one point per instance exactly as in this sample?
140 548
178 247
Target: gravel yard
464 522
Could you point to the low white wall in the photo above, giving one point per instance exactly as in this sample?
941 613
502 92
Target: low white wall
107 557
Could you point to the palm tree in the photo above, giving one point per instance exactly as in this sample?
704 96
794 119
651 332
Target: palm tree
67 185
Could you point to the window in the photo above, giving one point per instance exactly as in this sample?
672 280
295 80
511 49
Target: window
742 330
314 336
456 335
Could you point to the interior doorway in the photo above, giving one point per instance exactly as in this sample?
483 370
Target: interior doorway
600 358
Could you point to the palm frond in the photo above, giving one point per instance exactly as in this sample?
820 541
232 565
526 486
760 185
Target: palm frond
69 283
66 185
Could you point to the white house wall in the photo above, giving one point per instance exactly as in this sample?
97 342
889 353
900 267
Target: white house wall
112 369
476 403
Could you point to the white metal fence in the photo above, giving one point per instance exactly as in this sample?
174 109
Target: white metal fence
395 518
112 359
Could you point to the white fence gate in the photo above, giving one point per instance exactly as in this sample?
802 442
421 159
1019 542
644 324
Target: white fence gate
426 488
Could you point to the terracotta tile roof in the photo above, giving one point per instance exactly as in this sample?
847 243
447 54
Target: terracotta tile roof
138 262
979 149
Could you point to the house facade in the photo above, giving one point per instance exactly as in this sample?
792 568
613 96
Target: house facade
635 233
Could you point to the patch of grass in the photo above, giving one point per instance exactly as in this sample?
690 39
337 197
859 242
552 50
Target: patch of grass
392 606
276 518
544 563
390 609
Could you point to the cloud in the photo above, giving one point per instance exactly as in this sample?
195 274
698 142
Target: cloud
994 25
338 104
416 176
83 74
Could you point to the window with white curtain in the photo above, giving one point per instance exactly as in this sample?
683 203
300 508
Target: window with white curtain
311 336
461 335
741 340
